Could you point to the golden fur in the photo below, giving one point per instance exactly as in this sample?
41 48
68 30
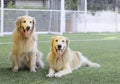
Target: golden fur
24 52
63 60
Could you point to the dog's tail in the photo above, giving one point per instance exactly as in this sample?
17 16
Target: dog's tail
86 62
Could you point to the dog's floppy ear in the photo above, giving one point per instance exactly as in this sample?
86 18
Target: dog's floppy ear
67 41
52 39
18 22
51 42
34 22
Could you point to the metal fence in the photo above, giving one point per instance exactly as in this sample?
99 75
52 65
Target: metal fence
46 20
59 21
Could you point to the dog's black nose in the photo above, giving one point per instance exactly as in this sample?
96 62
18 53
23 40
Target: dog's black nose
59 46
27 28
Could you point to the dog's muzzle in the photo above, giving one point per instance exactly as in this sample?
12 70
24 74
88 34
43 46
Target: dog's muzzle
59 50
26 29
59 47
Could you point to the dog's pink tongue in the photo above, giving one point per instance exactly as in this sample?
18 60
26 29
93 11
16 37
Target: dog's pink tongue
27 33
59 53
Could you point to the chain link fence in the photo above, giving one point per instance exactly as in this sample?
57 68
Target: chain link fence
48 17
46 21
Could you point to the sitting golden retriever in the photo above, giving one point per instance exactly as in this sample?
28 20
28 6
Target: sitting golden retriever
25 53
63 60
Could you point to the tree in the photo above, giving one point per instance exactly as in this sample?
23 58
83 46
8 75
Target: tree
96 5
71 4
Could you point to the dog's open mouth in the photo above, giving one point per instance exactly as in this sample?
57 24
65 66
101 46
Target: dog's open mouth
27 33
59 52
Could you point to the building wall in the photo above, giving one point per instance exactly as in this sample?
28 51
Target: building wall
31 3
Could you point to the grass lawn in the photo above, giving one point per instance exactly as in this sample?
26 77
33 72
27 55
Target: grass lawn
103 48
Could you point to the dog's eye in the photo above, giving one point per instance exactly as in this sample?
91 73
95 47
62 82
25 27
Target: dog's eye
56 40
24 21
63 41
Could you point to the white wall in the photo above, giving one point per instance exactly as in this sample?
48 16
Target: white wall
103 21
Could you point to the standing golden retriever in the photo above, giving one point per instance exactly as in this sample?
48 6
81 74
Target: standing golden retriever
63 60
25 53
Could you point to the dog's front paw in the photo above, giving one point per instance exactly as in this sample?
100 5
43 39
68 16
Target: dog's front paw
50 75
32 70
15 70
59 74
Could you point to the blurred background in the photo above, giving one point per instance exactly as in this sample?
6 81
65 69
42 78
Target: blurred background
62 16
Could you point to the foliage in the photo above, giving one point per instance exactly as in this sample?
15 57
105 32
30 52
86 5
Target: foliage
72 4
93 5
31 7
11 4
102 4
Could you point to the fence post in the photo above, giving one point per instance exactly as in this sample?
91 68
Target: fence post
26 12
85 16
116 19
2 17
116 15
62 17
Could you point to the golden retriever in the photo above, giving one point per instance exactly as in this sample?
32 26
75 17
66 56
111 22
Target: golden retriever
25 53
63 60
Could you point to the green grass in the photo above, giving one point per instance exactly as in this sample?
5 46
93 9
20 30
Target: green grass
104 48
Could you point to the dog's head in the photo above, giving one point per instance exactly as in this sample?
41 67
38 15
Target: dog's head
25 25
59 44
